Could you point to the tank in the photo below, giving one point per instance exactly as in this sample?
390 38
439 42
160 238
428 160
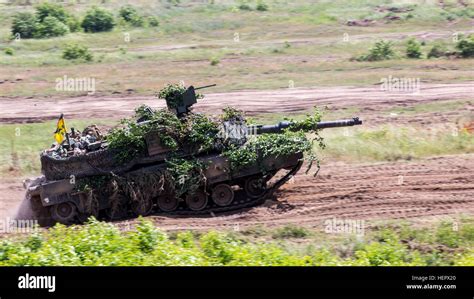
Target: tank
223 168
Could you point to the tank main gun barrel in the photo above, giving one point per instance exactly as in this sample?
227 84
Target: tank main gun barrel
206 86
278 128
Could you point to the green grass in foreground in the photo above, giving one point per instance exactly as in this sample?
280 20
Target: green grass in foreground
99 243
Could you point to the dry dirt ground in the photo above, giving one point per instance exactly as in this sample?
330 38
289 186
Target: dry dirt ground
432 187
436 187
372 102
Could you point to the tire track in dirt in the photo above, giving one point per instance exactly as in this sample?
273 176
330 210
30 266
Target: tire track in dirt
432 187
371 101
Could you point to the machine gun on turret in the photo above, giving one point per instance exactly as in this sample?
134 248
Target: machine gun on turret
181 103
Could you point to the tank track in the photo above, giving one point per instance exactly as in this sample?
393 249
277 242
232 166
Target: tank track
238 203
241 201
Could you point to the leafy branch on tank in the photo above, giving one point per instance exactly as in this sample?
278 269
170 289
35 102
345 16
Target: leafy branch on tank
201 131
172 94
91 183
187 174
266 145
231 113
128 140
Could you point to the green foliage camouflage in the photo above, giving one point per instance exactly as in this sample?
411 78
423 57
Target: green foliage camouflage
186 174
172 93
128 141
197 133
230 113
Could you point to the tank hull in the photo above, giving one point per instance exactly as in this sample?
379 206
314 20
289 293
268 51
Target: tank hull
57 200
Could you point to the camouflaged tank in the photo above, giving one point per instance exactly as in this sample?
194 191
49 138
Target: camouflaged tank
169 168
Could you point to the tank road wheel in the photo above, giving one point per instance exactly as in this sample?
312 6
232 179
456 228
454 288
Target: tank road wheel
142 207
167 203
64 212
222 195
197 200
255 187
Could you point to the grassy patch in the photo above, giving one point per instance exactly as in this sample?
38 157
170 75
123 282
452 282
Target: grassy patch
437 106
191 35
391 143
290 231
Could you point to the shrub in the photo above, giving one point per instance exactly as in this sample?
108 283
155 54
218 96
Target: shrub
215 61
447 235
76 51
8 51
466 46
24 24
50 27
244 5
73 23
438 50
261 6
98 20
153 21
413 49
46 9
382 50
130 15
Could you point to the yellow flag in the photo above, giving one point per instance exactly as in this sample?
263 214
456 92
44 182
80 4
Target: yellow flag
60 130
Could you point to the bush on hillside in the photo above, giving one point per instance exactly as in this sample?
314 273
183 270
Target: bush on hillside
77 52
382 50
413 49
24 25
98 20
50 27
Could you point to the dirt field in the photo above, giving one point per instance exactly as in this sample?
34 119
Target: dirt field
434 187
373 103
421 189
439 186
